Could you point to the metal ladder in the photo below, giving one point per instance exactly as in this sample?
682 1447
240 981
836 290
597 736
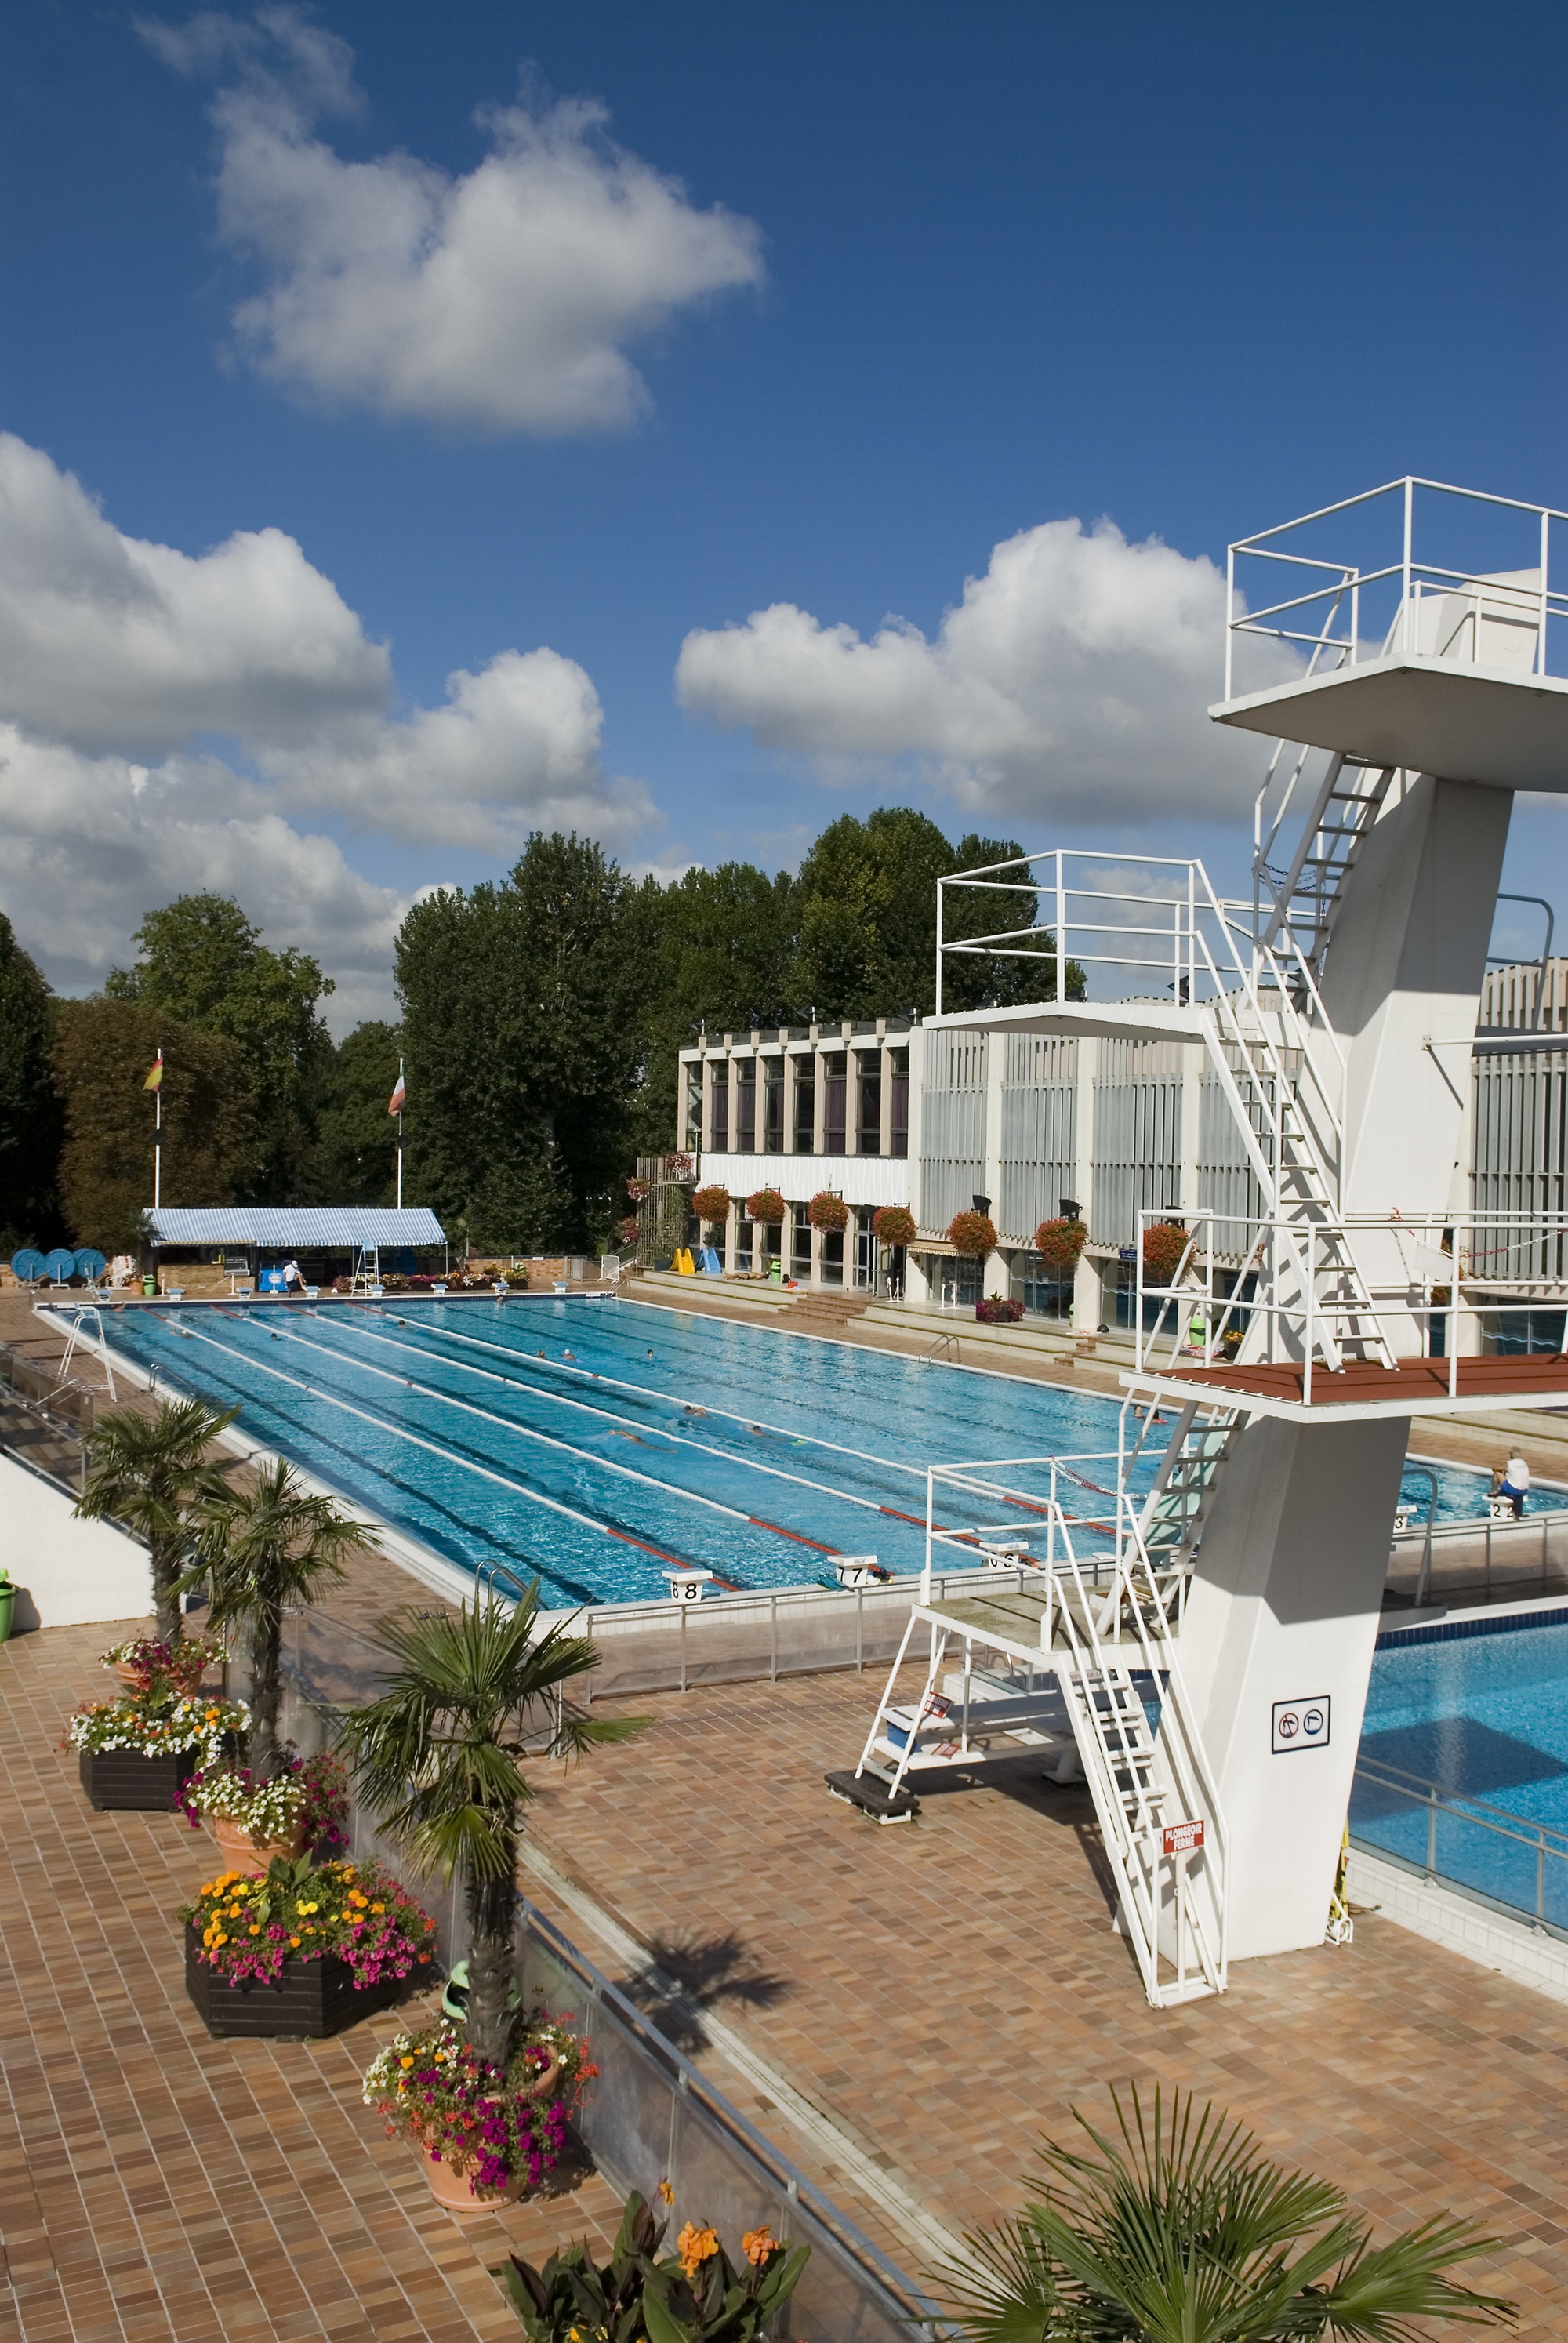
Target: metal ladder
1306 894
1171 1521
369 1272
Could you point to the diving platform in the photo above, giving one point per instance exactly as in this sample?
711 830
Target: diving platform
1308 1392
1429 715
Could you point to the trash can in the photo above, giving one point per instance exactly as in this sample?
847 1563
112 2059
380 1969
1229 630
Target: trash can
7 1606
149 1285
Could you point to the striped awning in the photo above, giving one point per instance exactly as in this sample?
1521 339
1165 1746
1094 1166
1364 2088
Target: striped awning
311 1227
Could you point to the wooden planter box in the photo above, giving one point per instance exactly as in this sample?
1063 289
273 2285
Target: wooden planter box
311 1998
122 1781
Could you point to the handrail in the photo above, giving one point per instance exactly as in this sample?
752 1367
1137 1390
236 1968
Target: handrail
1456 1805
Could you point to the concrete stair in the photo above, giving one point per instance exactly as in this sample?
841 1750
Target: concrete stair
825 1311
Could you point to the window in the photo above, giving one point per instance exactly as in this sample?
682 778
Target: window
899 1139
691 1136
1042 1296
773 1105
832 1256
868 1116
721 1108
800 1245
744 1236
746 1107
960 1279
805 1107
833 1120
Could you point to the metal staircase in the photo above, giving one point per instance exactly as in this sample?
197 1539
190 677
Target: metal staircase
1171 1521
1082 1647
1304 894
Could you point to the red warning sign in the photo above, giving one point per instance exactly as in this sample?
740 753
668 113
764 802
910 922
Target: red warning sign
1183 1838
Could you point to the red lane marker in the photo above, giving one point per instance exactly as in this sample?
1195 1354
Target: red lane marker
758 1523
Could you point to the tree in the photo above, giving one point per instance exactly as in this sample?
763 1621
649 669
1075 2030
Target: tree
1181 2230
437 1757
203 963
718 951
30 1121
265 1550
523 1018
102 1050
150 1473
357 1139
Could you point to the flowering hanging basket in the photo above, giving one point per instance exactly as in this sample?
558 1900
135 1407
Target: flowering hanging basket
1060 1244
973 1234
677 1167
767 1206
1164 1242
827 1211
711 1204
628 1231
639 1190
894 1224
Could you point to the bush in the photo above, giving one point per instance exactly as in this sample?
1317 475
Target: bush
972 1234
767 1206
162 1727
486 2121
827 1210
894 1224
1060 1244
310 1795
996 1311
1164 1242
251 1923
711 1204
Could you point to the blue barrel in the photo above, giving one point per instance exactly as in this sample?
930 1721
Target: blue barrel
60 1266
90 1265
27 1266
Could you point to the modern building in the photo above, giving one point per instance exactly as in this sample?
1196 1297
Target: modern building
892 1111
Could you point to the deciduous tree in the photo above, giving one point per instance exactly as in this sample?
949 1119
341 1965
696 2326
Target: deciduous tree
102 1050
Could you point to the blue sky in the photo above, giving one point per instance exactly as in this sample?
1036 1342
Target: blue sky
826 304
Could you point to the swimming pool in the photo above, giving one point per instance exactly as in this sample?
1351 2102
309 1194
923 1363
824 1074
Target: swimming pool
1478 1708
601 1441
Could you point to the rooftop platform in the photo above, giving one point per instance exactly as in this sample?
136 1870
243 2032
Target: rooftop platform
1360 1389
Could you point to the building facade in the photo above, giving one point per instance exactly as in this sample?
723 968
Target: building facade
889 1111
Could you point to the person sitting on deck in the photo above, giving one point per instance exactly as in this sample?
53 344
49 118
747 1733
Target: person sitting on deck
1515 1484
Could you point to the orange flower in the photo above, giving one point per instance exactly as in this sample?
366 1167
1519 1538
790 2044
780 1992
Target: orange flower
666 2193
696 2247
757 2244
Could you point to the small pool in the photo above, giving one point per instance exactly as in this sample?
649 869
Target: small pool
1478 1708
601 1441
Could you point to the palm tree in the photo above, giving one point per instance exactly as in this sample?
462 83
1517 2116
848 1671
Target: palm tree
1182 2231
150 1473
438 1757
264 1551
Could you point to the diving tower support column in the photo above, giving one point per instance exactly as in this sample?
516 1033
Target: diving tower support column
1283 1614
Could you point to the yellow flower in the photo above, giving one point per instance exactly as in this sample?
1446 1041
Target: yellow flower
696 2247
295 1942
378 1907
666 2193
757 2244
407 2062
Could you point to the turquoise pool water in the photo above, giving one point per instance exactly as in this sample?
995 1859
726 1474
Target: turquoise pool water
599 1442
1480 1709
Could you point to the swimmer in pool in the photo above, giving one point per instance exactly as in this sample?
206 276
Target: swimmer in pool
568 1354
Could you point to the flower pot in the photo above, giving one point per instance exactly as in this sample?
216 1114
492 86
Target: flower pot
124 1781
241 1851
310 2000
128 1675
453 2191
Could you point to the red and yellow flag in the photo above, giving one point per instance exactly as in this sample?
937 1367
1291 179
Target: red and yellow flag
156 1077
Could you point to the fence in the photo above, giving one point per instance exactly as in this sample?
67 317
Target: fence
1500 1857
650 2115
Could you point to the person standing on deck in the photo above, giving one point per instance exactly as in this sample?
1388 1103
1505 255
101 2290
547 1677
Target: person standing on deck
1515 1484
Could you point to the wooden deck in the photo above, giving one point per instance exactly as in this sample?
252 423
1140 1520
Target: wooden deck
1362 1388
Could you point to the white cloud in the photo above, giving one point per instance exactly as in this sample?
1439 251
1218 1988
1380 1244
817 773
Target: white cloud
110 642
119 659
1072 681
498 301
92 843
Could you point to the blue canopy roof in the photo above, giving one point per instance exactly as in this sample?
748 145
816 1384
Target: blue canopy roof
310 1227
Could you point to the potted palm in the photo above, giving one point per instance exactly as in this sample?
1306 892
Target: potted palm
1177 2229
438 1757
151 1474
265 1551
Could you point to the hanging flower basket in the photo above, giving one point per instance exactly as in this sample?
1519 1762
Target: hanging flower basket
1060 1244
767 1206
894 1224
639 1190
1164 1242
972 1234
677 1167
628 1231
827 1211
711 1204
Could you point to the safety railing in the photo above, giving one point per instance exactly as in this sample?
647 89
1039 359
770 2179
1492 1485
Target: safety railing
1466 1842
1359 579
1432 1285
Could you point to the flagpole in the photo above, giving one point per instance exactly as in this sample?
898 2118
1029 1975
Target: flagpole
159 1140
400 1140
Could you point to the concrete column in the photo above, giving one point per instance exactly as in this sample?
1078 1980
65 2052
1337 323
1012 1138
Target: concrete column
818 1101
886 1137
789 1095
1087 1294
707 1102
816 1257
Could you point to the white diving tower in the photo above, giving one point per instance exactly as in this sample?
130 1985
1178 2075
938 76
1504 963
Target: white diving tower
1410 649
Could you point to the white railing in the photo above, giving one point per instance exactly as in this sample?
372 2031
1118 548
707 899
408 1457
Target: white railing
1366 583
1420 1277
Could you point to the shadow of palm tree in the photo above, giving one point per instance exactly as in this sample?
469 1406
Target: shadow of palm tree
684 1977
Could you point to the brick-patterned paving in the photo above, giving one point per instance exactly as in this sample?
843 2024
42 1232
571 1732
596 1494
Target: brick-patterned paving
951 1987
156 2184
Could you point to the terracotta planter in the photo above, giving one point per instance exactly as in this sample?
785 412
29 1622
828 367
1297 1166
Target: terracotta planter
453 2191
241 1851
127 1674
